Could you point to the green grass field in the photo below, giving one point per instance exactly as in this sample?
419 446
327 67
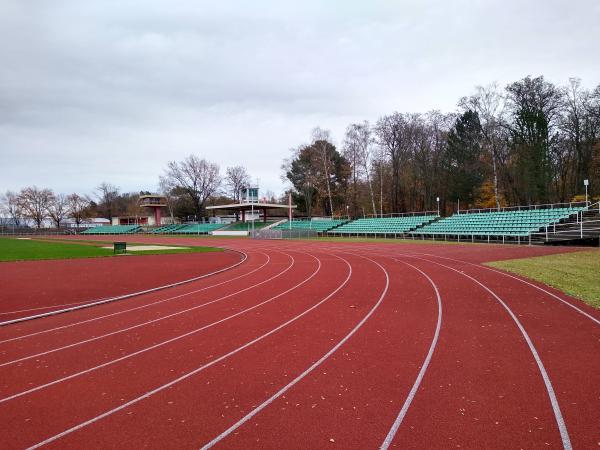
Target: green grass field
32 249
576 274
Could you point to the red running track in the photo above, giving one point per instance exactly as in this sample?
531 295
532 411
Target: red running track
34 287
314 345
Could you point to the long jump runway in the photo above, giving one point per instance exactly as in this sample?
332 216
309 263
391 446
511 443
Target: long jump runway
313 345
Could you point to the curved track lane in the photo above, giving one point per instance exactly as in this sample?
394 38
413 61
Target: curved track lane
314 345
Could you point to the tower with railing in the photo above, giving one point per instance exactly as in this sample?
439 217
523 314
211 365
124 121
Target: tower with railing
155 203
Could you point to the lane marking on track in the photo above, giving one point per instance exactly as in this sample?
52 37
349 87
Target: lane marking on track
481 266
123 297
589 316
195 371
143 324
562 427
43 307
396 425
323 358
160 344
147 305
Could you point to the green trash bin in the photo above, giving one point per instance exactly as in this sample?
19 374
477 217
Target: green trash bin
120 247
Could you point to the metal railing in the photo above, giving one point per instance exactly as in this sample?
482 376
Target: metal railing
405 214
524 207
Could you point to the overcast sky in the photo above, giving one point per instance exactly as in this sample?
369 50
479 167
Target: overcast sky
94 91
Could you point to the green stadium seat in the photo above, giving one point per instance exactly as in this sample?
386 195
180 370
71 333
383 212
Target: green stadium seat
520 223
383 225
316 225
114 229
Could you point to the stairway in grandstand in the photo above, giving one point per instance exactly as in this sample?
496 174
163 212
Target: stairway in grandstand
579 228
315 225
189 228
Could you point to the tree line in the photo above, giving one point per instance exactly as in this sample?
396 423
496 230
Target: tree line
530 142
34 205
188 186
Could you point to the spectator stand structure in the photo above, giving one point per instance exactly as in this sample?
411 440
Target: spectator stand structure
531 224
385 226
114 229
250 203
303 228
583 228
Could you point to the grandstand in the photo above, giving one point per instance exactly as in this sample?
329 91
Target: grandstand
191 228
114 229
248 225
314 225
512 224
166 229
383 225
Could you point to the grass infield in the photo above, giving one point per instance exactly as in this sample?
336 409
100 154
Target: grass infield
575 274
33 249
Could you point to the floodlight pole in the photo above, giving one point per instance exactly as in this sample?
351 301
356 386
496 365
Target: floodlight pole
290 210
458 206
585 183
437 199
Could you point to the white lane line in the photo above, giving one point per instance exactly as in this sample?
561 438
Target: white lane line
195 371
589 316
168 341
481 266
122 297
270 400
75 303
411 395
43 307
143 324
147 305
562 427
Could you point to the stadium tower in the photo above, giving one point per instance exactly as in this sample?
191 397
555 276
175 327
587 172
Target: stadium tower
154 202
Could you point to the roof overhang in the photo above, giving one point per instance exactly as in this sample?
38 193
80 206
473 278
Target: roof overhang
249 205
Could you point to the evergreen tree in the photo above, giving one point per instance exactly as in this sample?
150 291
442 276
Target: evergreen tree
463 158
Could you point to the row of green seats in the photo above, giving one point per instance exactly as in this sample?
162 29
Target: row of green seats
519 222
383 225
199 228
167 229
314 225
113 229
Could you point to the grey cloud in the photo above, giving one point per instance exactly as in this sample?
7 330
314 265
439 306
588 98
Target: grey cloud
89 86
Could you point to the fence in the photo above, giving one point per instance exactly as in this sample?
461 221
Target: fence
524 207
284 234
406 214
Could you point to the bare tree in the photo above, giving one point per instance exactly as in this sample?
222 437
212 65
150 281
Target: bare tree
236 178
379 166
321 138
77 207
351 151
58 208
357 150
107 195
34 203
393 134
490 104
167 192
198 178
10 206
